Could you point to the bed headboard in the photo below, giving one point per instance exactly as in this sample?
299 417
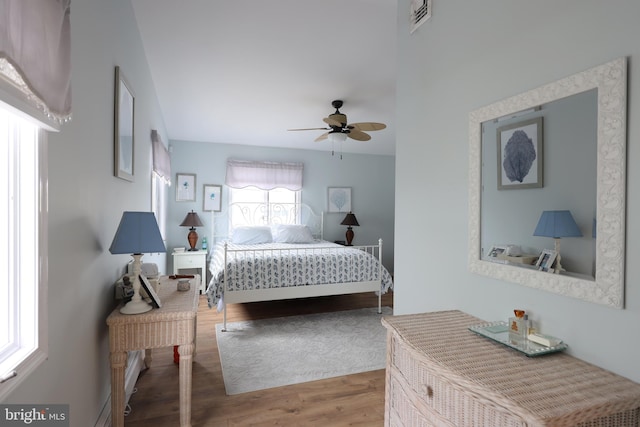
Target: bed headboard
255 214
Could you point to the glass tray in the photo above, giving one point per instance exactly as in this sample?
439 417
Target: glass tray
499 332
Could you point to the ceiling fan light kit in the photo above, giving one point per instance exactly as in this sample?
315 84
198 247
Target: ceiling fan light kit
339 130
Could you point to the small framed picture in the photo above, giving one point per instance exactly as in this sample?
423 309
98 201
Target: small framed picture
146 285
212 198
339 199
546 260
185 187
496 250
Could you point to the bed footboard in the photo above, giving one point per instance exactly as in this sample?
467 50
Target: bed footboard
267 274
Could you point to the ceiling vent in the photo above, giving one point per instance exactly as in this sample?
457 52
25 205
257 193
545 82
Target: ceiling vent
420 12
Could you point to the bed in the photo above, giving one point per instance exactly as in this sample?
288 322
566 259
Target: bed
286 261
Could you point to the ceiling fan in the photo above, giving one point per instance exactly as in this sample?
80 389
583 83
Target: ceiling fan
339 130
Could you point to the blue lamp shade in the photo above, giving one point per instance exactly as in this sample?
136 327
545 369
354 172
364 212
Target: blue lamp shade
138 233
557 224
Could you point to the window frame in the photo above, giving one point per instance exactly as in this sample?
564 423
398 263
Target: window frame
13 372
268 220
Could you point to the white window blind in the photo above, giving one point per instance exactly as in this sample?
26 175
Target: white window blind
35 55
161 159
264 175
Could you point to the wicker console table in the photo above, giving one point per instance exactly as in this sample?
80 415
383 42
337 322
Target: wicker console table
441 374
172 324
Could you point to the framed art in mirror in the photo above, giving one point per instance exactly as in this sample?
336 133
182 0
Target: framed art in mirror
607 285
520 155
124 115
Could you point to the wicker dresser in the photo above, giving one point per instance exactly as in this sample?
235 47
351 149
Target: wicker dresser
441 374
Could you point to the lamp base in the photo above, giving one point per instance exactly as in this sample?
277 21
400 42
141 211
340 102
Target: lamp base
135 307
349 235
192 237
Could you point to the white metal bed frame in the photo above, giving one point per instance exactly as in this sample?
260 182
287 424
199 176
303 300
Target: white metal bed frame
314 222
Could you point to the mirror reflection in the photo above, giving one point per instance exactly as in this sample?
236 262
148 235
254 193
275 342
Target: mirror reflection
552 168
546 135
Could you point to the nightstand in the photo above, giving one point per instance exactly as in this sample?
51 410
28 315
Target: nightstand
192 259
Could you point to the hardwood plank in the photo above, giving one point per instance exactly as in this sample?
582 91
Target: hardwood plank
352 400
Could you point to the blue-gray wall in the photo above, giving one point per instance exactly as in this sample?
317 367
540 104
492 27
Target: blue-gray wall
468 55
371 178
85 206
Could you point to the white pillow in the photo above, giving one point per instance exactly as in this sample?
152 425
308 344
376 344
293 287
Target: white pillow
290 233
251 235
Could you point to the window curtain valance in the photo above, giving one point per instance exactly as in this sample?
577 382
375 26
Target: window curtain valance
35 54
264 175
161 159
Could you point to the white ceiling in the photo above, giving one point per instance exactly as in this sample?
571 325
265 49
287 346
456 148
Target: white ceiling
243 72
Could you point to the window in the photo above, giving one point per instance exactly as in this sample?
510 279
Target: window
253 206
23 247
159 202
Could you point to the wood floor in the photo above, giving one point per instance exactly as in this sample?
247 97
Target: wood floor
353 400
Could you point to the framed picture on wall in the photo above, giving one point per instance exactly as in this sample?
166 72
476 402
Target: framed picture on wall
520 155
123 128
339 199
185 187
212 198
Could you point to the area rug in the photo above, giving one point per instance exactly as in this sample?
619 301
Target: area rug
261 354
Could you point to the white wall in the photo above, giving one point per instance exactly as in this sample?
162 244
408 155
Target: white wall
468 55
85 205
371 178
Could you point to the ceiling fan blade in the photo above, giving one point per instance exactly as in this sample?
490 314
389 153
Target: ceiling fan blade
332 122
368 126
358 135
310 129
322 137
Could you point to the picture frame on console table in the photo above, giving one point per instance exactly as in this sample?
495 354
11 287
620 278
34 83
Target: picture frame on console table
146 285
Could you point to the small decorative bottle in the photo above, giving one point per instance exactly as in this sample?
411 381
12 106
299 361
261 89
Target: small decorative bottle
518 327
204 243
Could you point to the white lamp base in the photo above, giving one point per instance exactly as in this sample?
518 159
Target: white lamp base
135 307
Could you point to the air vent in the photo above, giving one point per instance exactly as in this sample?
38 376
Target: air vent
420 12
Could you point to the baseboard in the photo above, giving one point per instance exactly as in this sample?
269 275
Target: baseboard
135 365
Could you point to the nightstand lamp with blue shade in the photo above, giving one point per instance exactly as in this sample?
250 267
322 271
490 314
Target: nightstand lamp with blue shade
137 234
557 224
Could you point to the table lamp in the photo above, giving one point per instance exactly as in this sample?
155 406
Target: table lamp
137 234
557 224
192 220
350 220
